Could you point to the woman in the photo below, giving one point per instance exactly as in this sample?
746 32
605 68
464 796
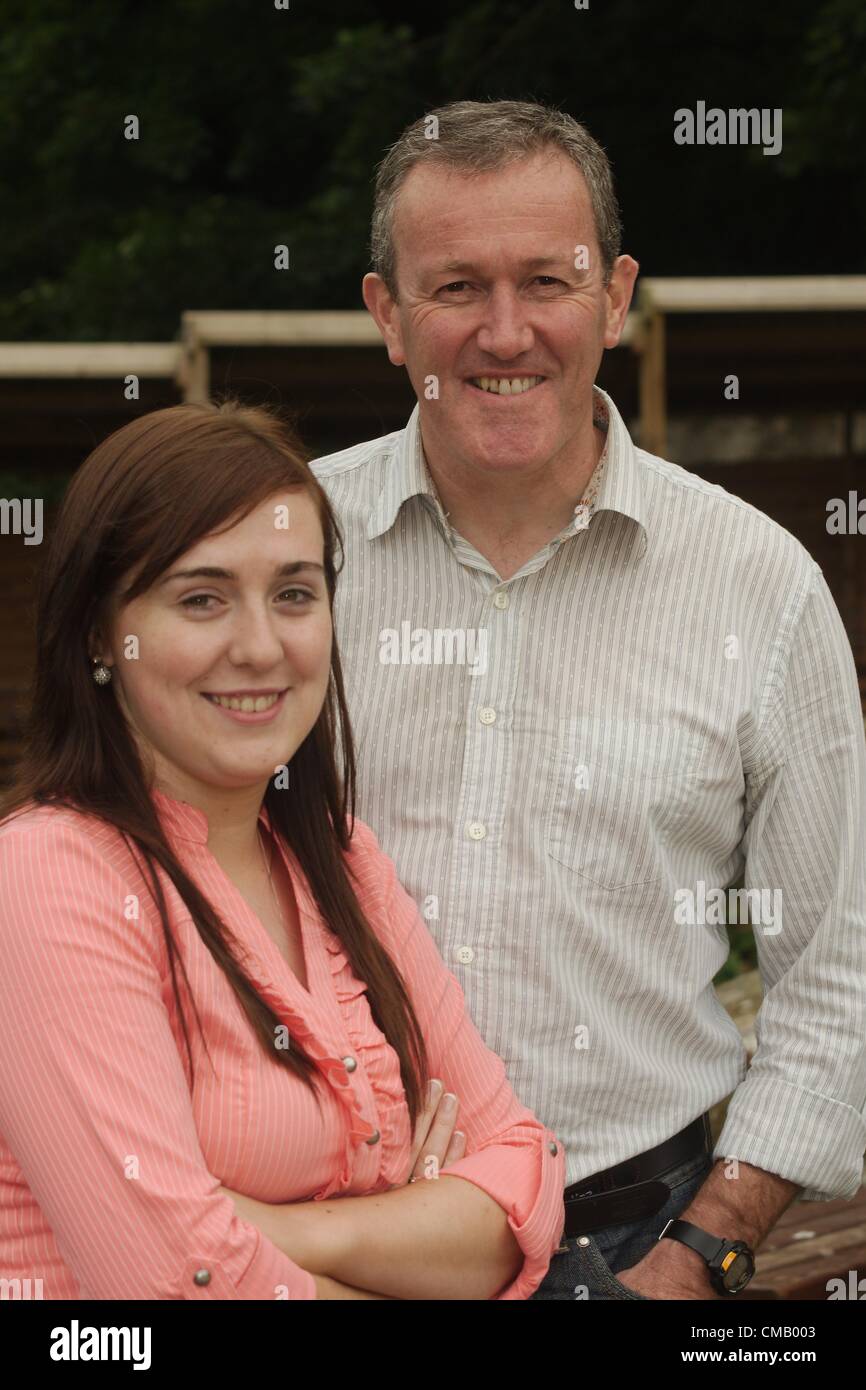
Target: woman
178 845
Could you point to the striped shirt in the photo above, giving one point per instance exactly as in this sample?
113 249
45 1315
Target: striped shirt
111 1153
573 768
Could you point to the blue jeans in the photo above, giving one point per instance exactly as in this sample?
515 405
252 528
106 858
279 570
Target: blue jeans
585 1266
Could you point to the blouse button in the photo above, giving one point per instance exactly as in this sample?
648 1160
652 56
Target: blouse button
553 1148
201 1276
374 1137
349 1063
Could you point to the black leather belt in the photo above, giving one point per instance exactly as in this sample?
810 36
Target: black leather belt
632 1189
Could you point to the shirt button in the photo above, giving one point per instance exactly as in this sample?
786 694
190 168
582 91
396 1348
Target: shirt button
374 1137
349 1063
487 715
554 1149
464 955
201 1276
476 830
500 599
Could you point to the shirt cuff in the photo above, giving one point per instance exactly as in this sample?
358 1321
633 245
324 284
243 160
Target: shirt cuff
810 1139
526 1179
269 1276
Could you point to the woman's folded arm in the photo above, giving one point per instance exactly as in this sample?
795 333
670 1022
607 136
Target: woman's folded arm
94 1102
493 1233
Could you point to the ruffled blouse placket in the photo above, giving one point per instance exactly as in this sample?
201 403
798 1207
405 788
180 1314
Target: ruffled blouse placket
317 1027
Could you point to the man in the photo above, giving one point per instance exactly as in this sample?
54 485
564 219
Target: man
588 689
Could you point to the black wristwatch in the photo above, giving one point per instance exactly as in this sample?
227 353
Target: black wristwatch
731 1263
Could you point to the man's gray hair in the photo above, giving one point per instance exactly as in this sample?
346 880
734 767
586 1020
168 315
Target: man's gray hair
481 136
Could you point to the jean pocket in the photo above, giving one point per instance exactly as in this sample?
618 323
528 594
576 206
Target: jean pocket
605 1278
620 786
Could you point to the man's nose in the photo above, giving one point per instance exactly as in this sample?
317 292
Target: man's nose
505 331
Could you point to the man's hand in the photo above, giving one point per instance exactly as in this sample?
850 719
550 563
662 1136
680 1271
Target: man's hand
658 1275
743 1206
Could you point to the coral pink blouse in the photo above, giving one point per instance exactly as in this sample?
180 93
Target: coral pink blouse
110 1154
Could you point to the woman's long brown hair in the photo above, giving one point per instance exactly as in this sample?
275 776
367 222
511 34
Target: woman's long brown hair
139 501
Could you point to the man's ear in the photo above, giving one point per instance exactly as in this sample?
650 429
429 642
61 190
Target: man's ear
619 291
377 298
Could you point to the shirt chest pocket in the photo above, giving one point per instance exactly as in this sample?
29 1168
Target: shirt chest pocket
620 786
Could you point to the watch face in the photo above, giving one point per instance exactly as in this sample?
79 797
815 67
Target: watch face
737 1273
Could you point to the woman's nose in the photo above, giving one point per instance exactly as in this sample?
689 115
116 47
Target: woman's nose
255 641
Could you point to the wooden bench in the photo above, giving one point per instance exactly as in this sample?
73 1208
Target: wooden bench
812 1243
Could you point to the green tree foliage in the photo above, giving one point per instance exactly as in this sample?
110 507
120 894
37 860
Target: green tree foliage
262 126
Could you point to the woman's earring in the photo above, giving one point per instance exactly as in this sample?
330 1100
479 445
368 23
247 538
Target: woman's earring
101 673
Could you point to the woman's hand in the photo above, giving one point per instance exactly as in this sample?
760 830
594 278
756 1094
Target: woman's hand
310 1232
435 1141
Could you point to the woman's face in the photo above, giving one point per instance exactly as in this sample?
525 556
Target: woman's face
257 626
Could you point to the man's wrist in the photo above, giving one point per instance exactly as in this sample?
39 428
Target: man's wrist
679 1262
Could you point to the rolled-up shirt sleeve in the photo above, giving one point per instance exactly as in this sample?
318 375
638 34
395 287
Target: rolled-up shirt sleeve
94 1101
800 1111
510 1154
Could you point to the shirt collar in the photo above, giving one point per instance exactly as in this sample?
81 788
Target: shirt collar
617 475
181 821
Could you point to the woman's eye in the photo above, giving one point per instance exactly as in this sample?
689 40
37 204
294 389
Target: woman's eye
194 601
200 603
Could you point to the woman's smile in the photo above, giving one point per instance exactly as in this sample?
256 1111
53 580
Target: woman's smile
249 707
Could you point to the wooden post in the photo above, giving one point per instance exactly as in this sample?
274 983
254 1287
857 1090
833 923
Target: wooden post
652 382
194 371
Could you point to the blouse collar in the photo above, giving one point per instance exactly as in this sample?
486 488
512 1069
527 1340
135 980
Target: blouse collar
185 822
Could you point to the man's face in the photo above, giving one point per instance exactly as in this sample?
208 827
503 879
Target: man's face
488 288
255 626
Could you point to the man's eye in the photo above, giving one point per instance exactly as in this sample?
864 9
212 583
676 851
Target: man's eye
459 285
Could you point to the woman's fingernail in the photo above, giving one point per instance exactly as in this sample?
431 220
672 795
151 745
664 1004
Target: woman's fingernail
434 1089
449 1100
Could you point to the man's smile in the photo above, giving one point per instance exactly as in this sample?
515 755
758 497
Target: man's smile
507 386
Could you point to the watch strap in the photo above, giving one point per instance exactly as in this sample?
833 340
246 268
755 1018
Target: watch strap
718 1254
709 1246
